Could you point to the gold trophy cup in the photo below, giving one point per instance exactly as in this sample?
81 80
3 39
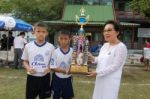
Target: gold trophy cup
80 46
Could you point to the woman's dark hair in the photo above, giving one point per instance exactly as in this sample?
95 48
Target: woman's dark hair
115 24
64 32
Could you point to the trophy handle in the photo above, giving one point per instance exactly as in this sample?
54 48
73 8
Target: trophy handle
86 52
74 50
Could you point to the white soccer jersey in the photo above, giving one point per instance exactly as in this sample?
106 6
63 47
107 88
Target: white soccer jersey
62 60
38 56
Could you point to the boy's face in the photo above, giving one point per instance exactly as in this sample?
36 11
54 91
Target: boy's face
40 33
63 40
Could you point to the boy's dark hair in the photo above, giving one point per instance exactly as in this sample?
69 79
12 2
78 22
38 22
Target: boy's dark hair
40 24
64 32
10 32
22 33
115 24
4 35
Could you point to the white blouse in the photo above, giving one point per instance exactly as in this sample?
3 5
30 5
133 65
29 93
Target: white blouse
111 60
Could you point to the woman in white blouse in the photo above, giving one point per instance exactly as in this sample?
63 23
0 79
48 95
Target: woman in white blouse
110 62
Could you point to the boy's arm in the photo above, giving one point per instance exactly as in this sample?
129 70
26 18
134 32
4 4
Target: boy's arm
59 70
47 70
53 64
55 68
27 67
26 62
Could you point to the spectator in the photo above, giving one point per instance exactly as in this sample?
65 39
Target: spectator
19 43
146 55
147 44
10 40
4 42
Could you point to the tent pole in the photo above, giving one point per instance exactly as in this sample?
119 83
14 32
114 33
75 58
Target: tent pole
133 36
7 49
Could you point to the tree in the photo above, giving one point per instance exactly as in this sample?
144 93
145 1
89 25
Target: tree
33 10
141 5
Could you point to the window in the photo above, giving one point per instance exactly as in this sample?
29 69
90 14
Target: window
106 2
121 6
90 2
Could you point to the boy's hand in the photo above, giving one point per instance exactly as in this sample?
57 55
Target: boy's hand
68 70
47 70
74 54
31 71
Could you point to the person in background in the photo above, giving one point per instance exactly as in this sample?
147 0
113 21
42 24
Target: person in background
4 42
147 43
10 40
146 55
19 43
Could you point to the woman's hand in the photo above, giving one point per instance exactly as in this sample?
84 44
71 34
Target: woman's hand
92 74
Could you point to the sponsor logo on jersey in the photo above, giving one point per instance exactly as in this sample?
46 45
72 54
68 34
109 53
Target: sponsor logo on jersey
39 61
39 58
63 65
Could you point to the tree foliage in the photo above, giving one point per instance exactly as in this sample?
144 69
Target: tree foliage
141 5
33 10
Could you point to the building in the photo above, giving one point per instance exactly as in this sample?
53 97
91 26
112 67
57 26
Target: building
99 11
133 38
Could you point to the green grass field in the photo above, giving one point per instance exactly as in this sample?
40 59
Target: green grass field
135 84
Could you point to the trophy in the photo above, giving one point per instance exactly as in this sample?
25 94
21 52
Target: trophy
80 46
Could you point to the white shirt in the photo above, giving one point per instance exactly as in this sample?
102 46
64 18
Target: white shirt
19 42
111 60
146 53
62 60
38 56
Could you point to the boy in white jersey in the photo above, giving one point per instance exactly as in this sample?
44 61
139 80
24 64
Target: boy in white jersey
60 64
36 57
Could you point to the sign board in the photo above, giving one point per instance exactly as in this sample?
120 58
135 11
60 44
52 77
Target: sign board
144 32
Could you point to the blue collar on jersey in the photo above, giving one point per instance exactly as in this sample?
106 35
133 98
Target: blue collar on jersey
39 45
65 52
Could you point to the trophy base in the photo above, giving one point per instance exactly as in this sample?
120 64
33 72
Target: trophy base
75 69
